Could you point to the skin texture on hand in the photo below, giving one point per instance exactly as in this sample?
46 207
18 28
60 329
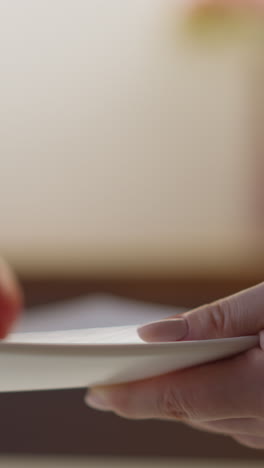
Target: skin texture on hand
11 299
225 397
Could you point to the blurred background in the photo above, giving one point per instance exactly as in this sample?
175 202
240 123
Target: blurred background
131 144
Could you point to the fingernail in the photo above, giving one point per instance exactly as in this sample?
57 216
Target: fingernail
164 331
97 399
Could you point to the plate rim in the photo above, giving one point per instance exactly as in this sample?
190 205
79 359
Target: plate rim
118 348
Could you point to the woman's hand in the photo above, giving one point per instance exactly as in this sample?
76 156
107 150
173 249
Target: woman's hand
10 299
223 397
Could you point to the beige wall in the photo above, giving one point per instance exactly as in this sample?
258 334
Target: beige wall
116 146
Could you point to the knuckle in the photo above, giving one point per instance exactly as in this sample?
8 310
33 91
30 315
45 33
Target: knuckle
221 316
172 405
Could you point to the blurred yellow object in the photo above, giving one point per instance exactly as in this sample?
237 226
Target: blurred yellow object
221 20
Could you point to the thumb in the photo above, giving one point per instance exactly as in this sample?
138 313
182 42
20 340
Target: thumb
239 315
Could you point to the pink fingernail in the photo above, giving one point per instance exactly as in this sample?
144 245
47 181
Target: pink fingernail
97 399
164 331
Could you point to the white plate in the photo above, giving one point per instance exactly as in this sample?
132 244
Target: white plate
83 358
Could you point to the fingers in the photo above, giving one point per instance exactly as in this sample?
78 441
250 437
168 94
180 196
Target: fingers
10 299
236 427
251 442
239 315
224 390
247 432
253 438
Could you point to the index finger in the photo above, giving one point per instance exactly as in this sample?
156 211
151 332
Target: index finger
238 315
